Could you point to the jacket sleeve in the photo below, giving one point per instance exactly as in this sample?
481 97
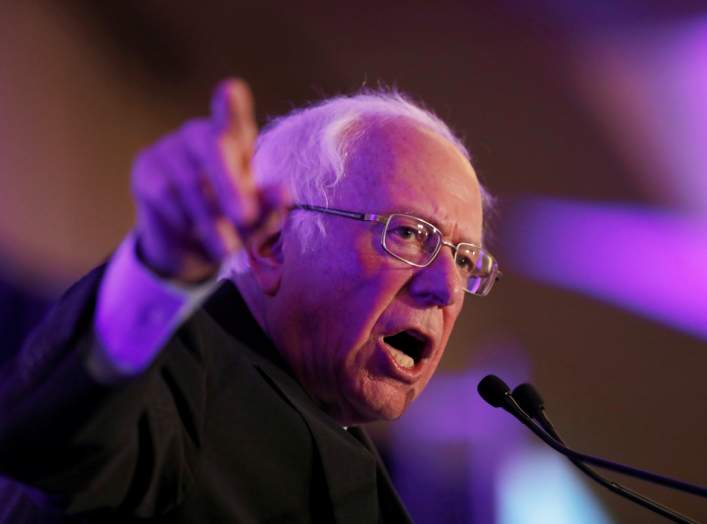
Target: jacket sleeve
130 446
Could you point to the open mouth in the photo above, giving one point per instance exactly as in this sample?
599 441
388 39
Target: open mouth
408 347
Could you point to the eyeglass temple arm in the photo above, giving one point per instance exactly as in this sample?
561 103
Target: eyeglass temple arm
340 212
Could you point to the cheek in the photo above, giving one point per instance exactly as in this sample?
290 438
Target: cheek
358 270
340 290
361 257
340 260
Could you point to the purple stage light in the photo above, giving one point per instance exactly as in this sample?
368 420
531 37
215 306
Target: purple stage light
647 85
651 262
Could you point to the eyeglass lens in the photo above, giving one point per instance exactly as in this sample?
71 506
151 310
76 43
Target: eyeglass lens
417 243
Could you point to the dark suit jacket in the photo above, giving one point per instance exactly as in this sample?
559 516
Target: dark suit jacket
217 430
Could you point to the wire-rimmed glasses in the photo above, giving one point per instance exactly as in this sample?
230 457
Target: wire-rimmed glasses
417 242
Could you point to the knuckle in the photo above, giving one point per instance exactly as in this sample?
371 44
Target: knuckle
194 126
143 159
196 135
157 188
151 181
143 167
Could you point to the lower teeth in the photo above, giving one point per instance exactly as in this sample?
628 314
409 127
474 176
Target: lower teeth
402 359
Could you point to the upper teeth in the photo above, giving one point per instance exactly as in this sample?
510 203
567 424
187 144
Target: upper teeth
401 358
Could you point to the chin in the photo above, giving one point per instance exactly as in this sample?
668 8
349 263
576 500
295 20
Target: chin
376 402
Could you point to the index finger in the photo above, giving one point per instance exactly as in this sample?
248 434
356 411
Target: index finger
233 111
235 132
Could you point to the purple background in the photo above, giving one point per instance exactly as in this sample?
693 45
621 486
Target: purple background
587 119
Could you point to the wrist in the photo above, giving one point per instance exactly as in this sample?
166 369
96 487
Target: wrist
189 271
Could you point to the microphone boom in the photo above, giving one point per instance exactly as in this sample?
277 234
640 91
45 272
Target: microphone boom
495 392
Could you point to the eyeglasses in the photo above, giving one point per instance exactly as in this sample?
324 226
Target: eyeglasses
417 242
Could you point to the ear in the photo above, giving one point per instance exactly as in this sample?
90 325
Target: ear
265 255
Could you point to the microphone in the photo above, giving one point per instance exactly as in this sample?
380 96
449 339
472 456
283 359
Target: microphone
494 391
497 393
530 401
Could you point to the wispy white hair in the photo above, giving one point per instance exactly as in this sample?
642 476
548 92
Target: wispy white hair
305 151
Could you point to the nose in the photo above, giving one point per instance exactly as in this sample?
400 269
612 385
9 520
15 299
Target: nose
438 284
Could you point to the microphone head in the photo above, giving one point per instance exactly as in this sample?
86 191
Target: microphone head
493 390
529 399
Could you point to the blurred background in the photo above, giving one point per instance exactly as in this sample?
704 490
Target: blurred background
588 120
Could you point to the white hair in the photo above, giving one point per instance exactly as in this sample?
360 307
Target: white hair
305 151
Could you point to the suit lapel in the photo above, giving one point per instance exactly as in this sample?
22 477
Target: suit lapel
391 507
349 467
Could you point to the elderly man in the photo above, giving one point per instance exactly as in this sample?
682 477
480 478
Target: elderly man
348 236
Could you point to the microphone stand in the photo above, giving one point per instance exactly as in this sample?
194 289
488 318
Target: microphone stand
494 391
541 418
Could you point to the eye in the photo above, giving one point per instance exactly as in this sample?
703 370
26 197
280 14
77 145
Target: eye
465 263
468 258
404 232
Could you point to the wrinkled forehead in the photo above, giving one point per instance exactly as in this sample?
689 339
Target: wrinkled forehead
392 145
392 161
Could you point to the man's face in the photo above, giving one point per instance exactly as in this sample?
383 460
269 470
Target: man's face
339 303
